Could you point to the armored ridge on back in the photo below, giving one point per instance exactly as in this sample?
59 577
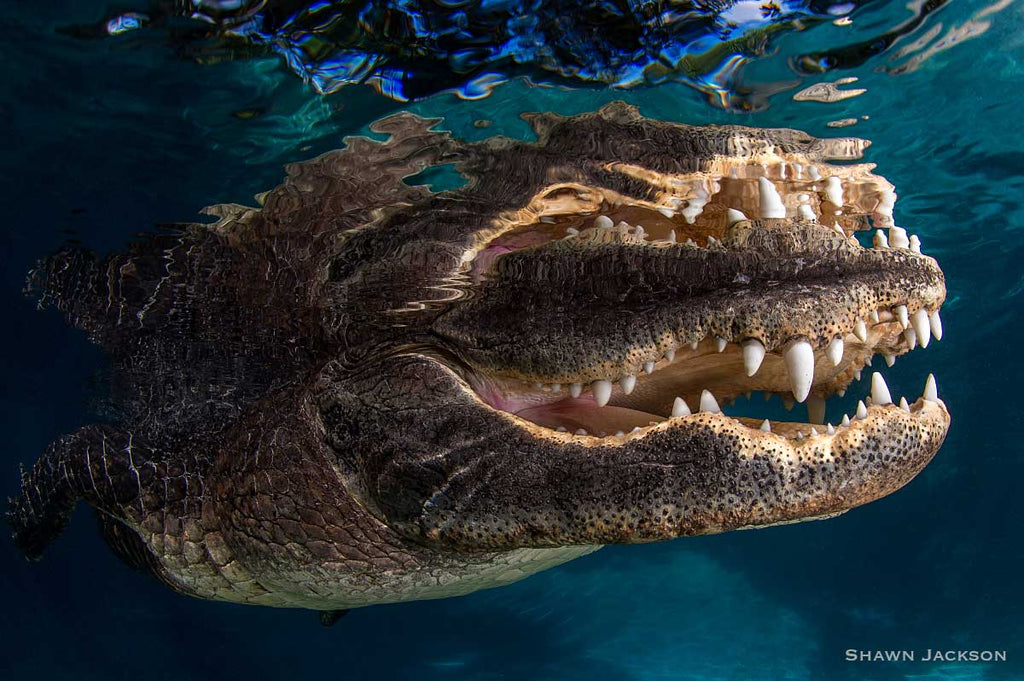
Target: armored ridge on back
364 392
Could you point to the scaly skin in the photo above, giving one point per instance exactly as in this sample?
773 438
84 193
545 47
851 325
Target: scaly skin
328 401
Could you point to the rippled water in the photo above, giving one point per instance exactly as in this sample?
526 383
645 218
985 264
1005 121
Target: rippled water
113 131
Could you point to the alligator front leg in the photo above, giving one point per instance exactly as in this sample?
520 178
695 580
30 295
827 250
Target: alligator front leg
451 470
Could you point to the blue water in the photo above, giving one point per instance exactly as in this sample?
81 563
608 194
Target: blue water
108 137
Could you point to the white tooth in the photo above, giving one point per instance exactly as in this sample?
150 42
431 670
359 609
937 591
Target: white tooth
753 355
689 242
902 315
672 236
880 239
815 409
814 432
627 383
580 431
862 410
766 427
919 320
576 389
846 420
708 403
635 428
770 202
829 429
915 243
874 316
936 323
603 222
648 367
879 390
712 241
814 173
931 392
733 216
835 351
800 363
857 374
667 212
556 387
903 405
841 392
561 429
572 231
889 360
640 232
799 435
680 408
860 330
834 191
694 344
670 354
720 344
619 433
839 230
911 337
898 237
602 392
806 213
538 385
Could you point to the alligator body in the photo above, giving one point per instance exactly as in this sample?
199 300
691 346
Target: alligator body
364 391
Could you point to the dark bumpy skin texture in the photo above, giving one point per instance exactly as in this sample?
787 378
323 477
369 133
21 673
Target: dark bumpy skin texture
362 391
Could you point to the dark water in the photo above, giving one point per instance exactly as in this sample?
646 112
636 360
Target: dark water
108 137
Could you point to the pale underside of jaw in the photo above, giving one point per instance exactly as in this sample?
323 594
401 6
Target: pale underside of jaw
677 379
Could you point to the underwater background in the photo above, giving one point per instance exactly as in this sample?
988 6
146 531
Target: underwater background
121 117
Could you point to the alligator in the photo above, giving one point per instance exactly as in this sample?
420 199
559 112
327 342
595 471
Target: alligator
367 389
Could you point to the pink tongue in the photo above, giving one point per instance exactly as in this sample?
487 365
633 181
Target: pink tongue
582 413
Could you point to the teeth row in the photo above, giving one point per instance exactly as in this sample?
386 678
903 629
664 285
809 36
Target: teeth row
918 328
880 396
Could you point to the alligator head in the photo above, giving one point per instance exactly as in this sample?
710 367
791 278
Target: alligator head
491 379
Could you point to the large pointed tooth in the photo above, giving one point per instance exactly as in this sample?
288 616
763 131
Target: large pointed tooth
814 432
648 367
627 383
846 420
733 216
898 237
879 390
919 320
860 330
708 403
603 222
911 337
830 429
770 203
720 344
862 410
903 405
815 409
881 241
671 236
856 374
576 389
931 391
874 316
805 212
670 354
753 355
602 392
800 363
902 315
680 408
915 243
936 323
835 351
766 427
889 360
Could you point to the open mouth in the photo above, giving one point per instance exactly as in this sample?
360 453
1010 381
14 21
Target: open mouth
659 308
